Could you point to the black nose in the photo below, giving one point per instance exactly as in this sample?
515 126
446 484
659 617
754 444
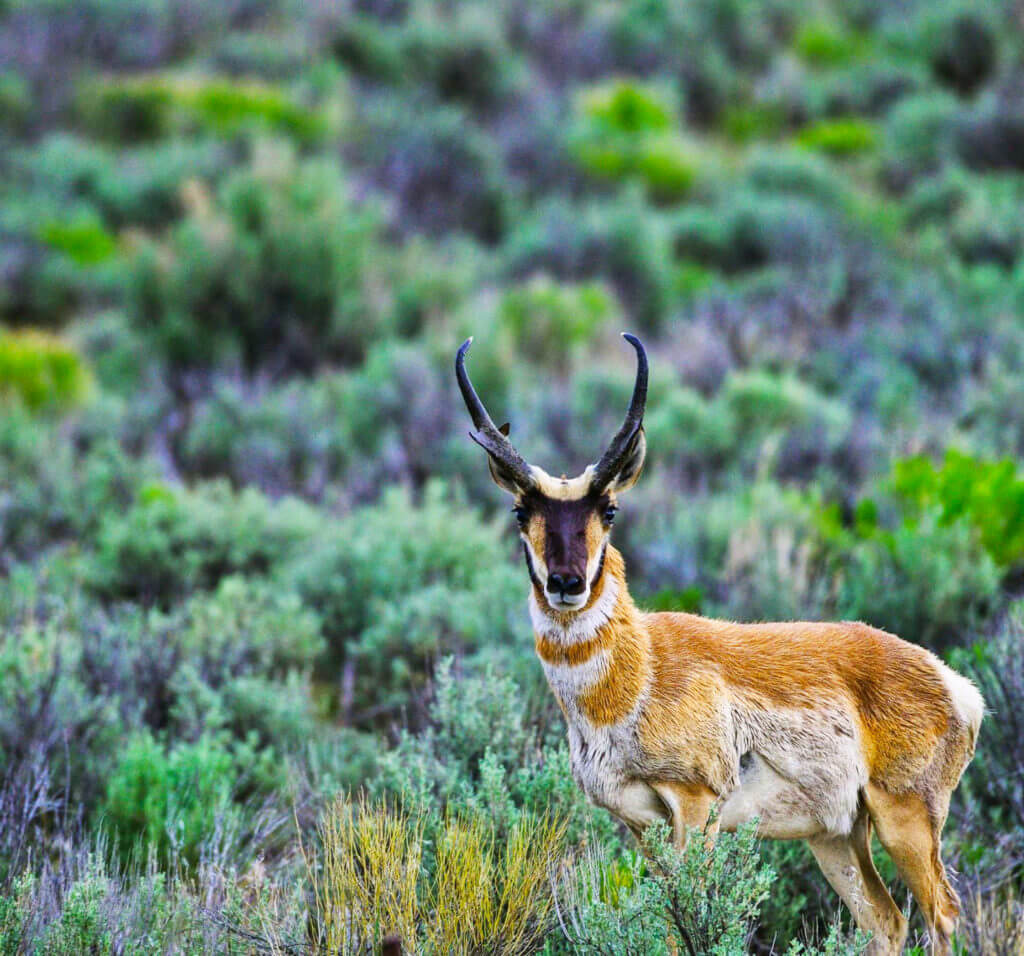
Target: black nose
565 584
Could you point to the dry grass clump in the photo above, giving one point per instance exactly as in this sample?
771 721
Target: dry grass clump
460 889
992 925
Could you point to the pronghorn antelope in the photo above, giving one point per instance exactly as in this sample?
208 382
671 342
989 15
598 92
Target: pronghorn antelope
819 730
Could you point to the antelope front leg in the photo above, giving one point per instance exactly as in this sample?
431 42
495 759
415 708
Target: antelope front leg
690 805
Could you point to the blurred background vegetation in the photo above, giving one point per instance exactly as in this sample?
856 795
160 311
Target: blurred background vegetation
261 611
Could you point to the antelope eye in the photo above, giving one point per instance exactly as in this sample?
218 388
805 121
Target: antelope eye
521 515
609 514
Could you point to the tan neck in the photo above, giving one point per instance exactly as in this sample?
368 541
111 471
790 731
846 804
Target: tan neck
607 635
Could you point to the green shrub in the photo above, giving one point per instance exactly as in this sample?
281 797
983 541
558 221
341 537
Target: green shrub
172 541
625 130
961 44
825 44
463 56
839 137
444 172
987 495
139 186
482 751
709 898
54 489
918 135
929 582
542 313
151 107
41 371
399 584
278 272
757 121
622 242
749 231
169 800
83 240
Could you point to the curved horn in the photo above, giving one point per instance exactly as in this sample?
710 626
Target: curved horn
607 468
487 435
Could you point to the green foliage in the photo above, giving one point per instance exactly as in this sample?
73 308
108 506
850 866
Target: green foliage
929 581
986 495
543 311
283 256
172 541
709 898
41 371
826 44
172 800
140 185
83 240
625 130
398 584
152 107
839 137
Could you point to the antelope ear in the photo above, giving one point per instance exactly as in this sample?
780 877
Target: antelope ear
631 465
502 477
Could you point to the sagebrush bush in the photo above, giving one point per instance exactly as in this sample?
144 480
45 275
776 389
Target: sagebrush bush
41 371
624 131
399 584
706 899
172 541
155 106
282 260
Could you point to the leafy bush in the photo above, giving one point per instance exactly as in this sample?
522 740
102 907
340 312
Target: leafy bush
826 44
541 312
137 186
41 371
919 135
399 584
962 47
443 172
171 800
55 490
709 898
152 107
172 541
625 130
754 414
987 495
839 137
621 242
929 582
750 231
276 274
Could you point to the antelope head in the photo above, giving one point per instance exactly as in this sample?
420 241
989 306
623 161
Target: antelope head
564 523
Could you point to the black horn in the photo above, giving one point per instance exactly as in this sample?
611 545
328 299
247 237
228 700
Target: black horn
487 435
608 467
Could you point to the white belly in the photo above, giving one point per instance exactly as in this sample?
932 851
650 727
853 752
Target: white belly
783 809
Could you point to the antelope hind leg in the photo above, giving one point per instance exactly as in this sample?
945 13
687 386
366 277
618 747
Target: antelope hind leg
847 864
911 835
